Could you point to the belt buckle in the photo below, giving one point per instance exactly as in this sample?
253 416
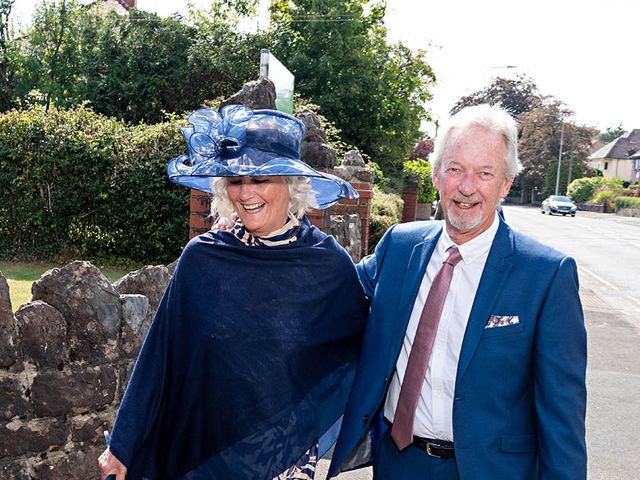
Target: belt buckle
431 450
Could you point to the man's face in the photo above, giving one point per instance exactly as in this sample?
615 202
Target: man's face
471 181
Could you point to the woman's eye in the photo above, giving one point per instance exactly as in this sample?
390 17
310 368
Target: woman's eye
259 180
235 182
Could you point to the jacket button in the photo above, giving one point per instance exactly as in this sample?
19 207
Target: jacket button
365 418
386 380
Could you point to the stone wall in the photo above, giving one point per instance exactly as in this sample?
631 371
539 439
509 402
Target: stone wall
628 212
65 358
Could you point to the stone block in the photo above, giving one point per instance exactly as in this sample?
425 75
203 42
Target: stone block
19 437
346 230
12 470
90 305
43 334
89 428
150 281
313 132
74 390
13 400
76 465
8 348
260 93
135 309
318 155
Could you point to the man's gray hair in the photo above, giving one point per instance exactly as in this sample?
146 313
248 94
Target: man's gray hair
302 198
493 118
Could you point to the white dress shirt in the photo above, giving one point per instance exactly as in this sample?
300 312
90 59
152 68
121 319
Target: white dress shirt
435 406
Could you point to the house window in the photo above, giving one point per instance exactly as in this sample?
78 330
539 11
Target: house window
606 165
638 164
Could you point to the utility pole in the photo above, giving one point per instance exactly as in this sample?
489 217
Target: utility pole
559 157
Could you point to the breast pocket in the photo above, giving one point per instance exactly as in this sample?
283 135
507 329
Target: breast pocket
498 331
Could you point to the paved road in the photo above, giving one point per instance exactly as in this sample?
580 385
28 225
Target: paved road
607 250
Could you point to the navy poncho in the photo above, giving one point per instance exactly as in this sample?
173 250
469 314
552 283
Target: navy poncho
248 362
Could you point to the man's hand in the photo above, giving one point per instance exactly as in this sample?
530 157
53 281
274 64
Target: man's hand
110 465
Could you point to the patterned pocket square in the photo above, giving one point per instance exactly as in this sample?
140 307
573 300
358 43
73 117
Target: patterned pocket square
502 321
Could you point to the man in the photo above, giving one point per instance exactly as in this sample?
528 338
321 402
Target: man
488 382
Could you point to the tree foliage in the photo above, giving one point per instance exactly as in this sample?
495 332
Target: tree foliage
6 52
422 149
517 96
541 131
137 66
372 91
611 133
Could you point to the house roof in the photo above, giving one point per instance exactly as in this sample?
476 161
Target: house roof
128 4
621 148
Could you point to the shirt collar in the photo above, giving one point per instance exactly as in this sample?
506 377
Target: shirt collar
476 247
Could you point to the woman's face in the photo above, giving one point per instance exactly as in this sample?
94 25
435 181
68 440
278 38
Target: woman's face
261 202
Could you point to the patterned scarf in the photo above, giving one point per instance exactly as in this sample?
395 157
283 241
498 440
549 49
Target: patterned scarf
283 236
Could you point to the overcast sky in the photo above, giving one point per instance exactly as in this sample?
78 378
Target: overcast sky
583 52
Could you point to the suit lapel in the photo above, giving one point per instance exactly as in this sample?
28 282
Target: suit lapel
493 277
413 278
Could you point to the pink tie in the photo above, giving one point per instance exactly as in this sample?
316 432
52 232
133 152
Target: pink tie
402 429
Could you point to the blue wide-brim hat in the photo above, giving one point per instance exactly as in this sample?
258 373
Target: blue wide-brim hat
238 141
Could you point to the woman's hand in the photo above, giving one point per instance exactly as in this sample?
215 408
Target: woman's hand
110 465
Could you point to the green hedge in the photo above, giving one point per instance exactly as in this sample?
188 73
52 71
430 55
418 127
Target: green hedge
75 183
627 202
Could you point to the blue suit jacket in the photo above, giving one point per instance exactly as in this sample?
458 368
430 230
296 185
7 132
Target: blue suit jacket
520 395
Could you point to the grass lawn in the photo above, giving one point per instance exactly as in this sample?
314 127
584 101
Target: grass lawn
21 275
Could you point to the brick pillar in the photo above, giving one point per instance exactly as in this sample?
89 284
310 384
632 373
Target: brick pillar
410 198
199 211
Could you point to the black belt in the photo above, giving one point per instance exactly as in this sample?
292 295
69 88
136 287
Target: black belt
433 448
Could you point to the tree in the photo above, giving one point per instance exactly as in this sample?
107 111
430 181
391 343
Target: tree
611 133
517 96
6 48
50 62
372 91
539 146
422 149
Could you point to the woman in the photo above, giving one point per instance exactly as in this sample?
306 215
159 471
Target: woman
251 353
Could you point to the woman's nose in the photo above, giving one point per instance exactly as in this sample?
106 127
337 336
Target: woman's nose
246 190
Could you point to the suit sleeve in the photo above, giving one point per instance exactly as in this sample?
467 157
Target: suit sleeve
369 267
560 358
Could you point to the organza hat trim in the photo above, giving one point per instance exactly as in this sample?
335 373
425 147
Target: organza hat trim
238 141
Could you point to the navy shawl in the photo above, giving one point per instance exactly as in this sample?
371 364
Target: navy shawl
248 361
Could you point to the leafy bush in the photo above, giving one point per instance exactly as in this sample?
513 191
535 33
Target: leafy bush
422 170
386 210
627 202
583 189
78 183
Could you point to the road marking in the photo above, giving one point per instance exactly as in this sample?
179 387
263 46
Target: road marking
600 279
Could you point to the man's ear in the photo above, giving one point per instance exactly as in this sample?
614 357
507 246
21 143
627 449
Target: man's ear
506 187
435 177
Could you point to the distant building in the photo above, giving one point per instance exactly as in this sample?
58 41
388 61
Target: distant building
619 158
121 7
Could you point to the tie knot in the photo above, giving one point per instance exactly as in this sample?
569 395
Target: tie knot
454 256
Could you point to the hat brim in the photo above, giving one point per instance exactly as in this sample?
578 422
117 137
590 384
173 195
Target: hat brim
328 188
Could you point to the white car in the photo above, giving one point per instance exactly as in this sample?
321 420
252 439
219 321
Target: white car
559 204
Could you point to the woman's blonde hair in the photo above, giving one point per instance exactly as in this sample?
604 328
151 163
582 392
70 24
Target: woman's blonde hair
301 198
